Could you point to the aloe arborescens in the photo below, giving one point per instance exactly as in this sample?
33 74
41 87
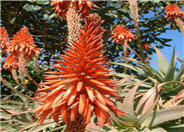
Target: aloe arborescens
79 86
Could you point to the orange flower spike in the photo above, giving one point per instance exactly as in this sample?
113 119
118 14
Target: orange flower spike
84 79
61 6
173 11
22 42
11 62
4 39
121 34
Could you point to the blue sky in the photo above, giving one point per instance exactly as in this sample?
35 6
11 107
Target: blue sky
177 41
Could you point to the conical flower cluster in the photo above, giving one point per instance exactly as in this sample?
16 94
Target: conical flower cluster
95 20
121 34
11 62
173 11
23 43
4 39
80 84
61 6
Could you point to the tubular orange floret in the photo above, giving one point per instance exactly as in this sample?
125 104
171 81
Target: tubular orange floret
84 83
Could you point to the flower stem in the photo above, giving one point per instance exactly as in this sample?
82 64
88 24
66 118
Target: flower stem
12 88
133 5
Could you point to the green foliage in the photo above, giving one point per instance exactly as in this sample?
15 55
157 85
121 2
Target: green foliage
167 72
152 99
154 110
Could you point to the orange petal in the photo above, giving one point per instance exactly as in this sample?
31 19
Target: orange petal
56 107
88 117
72 97
56 117
58 84
39 109
51 82
69 76
90 93
96 82
73 113
109 93
108 89
108 101
82 103
52 77
43 117
99 97
63 112
79 86
100 118
103 107
68 92
85 109
47 106
57 73
58 98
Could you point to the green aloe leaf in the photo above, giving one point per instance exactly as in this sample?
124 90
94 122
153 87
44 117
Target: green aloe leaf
162 62
180 73
161 116
128 77
177 128
135 68
170 72
158 130
147 100
128 104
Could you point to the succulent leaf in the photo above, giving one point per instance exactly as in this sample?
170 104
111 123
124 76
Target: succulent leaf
148 100
162 62
161 116
170 72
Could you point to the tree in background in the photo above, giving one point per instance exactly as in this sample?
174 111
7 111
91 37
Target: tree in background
81 81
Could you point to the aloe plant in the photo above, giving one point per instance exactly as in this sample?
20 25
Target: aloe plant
17 116
142 115
167 72
148 109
